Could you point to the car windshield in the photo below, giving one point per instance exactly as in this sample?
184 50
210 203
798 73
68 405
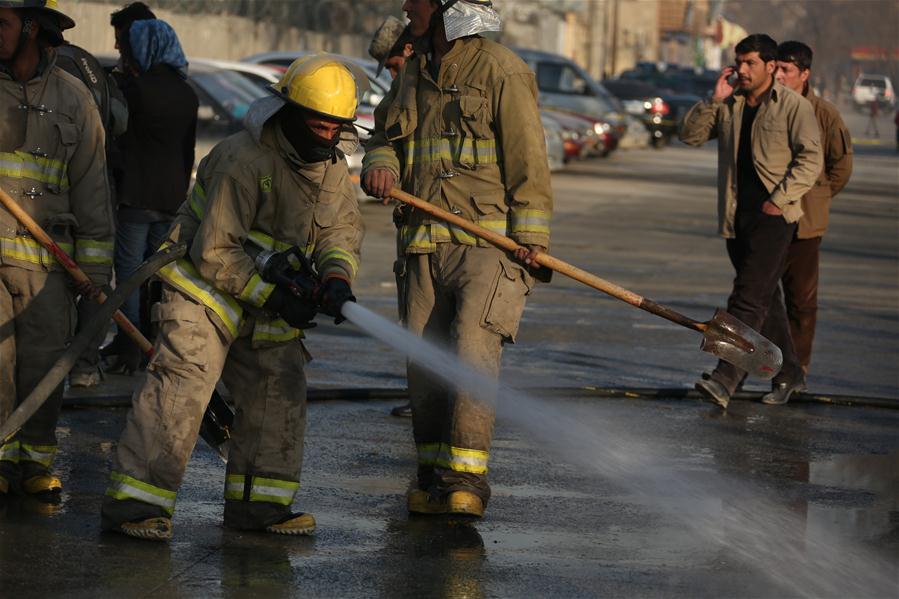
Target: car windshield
233 91
873 83
560 78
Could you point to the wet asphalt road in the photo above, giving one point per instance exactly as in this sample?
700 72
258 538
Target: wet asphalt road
591 497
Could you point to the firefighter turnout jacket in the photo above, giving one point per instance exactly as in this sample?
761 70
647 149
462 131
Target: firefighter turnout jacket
53 164
470 142
252 193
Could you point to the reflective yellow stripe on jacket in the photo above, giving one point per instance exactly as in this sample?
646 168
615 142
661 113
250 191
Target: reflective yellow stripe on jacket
424 238
458 459
91 251
269 490
28 249
22 165
436 149
124 487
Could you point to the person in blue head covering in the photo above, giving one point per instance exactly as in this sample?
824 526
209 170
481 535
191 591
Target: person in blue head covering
153 42
157 155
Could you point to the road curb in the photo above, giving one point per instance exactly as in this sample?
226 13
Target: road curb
116 400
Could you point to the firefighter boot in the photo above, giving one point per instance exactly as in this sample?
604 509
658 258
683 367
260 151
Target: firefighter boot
421 502
37 480
151 529
294 524
465 503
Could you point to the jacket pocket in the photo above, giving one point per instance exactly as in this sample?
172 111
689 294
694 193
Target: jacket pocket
56 169
475 117
505 302
401 122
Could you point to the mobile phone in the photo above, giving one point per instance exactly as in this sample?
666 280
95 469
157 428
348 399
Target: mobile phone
733 77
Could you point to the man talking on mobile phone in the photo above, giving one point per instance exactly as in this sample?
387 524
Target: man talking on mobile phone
769 156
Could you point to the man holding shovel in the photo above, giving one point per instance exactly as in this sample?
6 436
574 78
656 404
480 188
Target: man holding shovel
53 166
769 156
460 128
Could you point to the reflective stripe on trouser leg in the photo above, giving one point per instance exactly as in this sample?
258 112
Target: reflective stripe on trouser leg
256 488
268 385
458 459
427 314
167 409
44 321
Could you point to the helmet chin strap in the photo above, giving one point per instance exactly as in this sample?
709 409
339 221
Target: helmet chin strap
28 25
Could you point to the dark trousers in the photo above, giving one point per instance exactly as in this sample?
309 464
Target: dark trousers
800 289
758 253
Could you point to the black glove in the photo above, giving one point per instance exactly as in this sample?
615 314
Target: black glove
297 311
334 294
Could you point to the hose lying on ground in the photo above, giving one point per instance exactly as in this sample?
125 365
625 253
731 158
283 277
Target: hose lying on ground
83 339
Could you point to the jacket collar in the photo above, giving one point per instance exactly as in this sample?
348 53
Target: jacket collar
46 62
772 95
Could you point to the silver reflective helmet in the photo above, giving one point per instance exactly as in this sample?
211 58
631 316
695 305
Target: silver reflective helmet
469 17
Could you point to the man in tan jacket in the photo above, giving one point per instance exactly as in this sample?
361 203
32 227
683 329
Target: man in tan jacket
281 183
461 129
769 156
53 164
800 278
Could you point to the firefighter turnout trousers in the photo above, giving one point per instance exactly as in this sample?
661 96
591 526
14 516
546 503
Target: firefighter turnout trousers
37 317
268 387
468 299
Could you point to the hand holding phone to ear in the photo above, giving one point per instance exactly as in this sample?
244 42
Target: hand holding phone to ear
726 84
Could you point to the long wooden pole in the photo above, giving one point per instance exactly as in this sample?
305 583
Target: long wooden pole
41 236
544 259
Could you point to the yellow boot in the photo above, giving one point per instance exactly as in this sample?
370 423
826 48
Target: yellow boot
421 502
151 529
42 483
296 524
465 503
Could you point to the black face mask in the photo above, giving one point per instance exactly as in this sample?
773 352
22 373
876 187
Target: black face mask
310 147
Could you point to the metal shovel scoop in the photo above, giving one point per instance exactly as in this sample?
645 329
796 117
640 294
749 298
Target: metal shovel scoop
723 335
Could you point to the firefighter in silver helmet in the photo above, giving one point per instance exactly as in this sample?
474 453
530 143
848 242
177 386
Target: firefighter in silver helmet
461 129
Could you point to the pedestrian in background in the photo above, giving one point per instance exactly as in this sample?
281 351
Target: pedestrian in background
391 46
157 156
460 127
54 167
800 278
769 156
873 113
114 115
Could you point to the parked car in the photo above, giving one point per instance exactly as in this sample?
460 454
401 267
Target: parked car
659 110
868 88
563 85
555 145
579 138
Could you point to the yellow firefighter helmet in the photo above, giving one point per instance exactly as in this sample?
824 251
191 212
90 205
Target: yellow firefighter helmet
321 84
49 6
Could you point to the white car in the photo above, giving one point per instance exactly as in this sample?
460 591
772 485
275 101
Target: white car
868 88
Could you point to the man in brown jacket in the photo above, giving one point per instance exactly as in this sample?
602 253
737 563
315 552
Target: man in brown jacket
800 278
461 129
769 156
53 163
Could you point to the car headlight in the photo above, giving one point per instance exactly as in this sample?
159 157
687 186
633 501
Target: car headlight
601 128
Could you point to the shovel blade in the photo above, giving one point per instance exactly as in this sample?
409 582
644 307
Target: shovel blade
735 342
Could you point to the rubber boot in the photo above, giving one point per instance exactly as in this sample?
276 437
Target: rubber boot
42 483
151 529
295 524
420 501
464 503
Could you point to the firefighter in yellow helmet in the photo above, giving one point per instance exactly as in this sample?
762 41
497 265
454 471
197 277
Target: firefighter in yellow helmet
461 129
281 183
52 163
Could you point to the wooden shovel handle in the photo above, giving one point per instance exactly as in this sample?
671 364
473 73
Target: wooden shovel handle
544 259
38 233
